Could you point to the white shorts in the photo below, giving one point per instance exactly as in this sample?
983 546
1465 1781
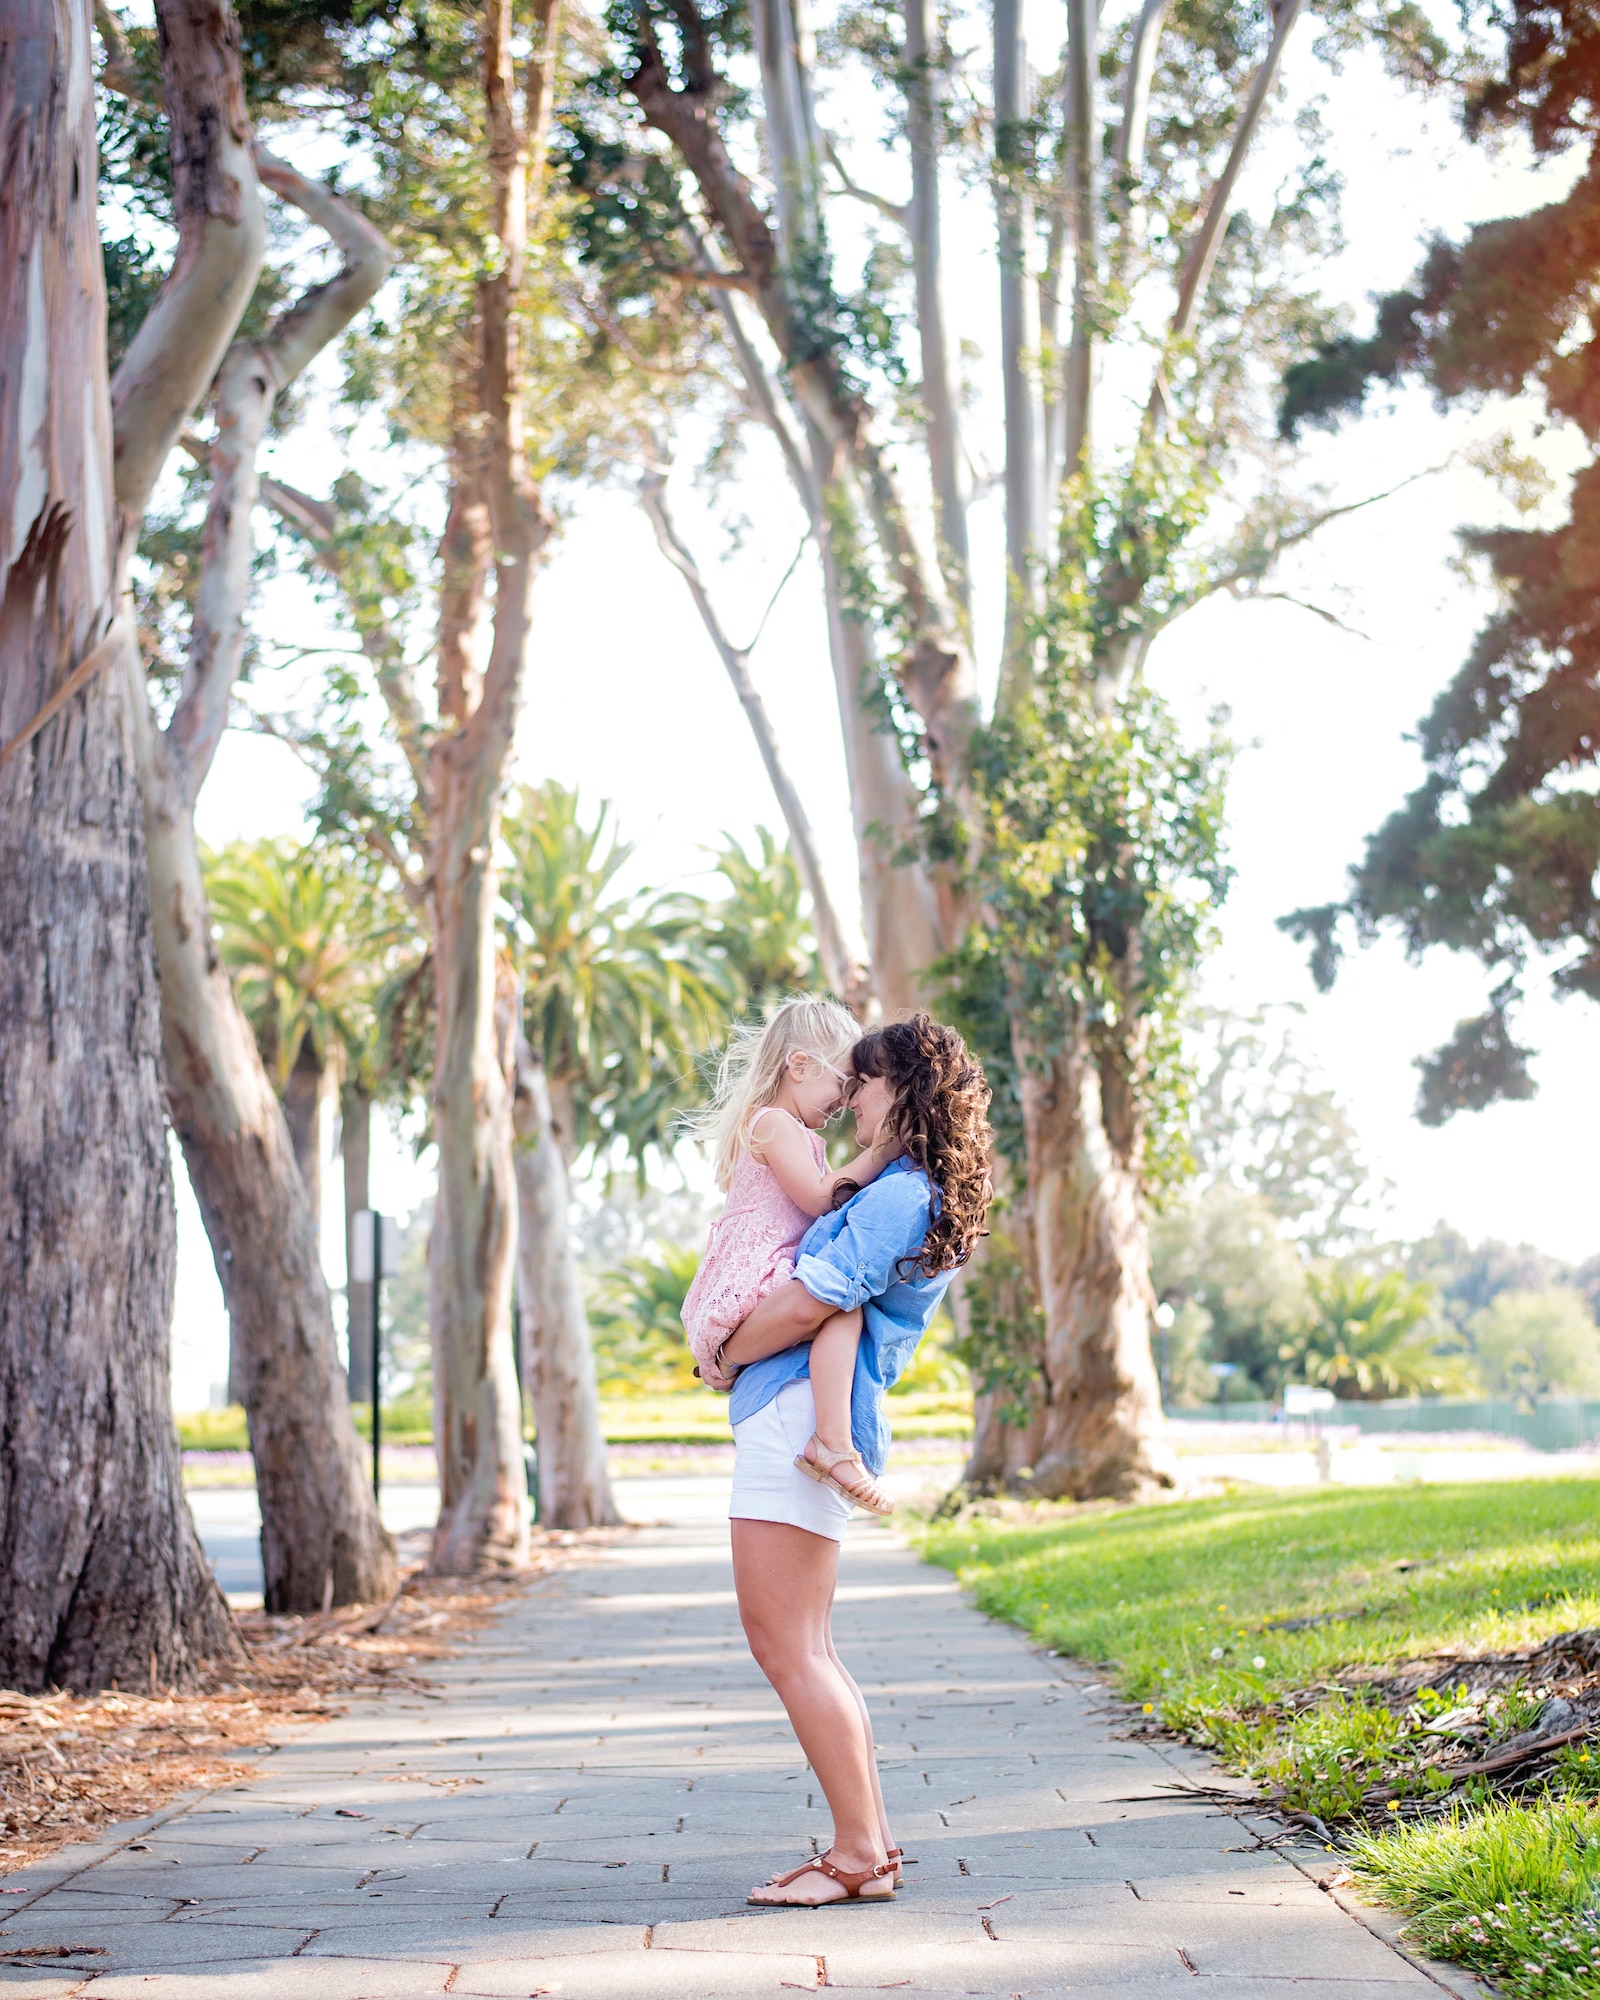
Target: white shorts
767 1484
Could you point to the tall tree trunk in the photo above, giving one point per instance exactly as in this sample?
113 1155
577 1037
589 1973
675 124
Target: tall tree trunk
321 1537
1018 345
483 1516
941 411
355 1152
1082 153
303 1099
1104 1435
557 1354
101 1576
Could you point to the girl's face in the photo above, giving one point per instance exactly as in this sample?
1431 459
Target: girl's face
816 1087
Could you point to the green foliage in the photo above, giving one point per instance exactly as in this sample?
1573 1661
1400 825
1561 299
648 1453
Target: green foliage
1219 1259
1543 1343
620 992
214 1430
636 1313
1003 1347
1371 1336
1262 1118
1496 853
1102 828
760 929
1509 1891
308 939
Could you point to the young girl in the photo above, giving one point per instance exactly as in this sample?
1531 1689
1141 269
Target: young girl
777 1086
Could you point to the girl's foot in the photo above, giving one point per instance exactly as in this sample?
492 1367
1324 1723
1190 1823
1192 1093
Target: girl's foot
824 1881
846 1473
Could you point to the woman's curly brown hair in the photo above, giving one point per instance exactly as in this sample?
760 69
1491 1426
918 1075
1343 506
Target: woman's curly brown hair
941 1111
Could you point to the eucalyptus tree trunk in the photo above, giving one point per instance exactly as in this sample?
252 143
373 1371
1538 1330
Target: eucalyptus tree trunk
1102 1434
940 408
322 1541
899 902
355 1154
557 1353
101 1576
1018 344
483 1515
303 1098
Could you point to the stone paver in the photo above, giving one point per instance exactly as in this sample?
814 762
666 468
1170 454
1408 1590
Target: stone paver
581 1806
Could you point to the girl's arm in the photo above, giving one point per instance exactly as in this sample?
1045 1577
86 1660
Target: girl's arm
782 1143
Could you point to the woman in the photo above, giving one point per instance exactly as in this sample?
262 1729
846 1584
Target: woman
892 1251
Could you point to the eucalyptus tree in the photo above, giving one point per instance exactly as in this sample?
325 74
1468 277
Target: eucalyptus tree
101 1576
1057 861
322 1539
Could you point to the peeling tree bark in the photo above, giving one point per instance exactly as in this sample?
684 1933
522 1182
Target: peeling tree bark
101 1576
321 1538
558 1355
1102 1433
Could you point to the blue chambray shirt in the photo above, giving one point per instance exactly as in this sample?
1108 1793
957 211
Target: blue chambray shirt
850 1258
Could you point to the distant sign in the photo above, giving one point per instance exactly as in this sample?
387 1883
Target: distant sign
1301 1400
361 1234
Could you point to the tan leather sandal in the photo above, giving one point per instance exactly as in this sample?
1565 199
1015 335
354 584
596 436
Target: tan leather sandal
824 1469
853 1886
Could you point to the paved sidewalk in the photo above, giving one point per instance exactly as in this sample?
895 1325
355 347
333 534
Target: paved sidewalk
582 1806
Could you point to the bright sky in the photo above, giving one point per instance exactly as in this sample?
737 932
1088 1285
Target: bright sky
627 700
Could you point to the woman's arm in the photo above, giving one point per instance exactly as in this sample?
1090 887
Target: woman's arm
782 1143
785 1318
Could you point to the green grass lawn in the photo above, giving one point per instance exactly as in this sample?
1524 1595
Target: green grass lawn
1202 1610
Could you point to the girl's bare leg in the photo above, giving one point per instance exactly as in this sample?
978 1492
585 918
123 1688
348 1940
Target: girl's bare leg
833 1371
785 1577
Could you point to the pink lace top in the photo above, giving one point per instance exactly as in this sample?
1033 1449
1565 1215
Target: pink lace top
750 1252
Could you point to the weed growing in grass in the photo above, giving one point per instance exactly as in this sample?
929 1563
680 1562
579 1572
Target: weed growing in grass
1509 1891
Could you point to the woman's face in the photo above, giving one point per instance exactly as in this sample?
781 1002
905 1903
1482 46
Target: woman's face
872 1100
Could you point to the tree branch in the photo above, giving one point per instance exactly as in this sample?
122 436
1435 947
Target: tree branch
843 975
896 211
1202 254
252 375
222 235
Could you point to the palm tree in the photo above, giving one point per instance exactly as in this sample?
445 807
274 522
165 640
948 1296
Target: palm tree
638 1318
620 992
1370 1337
761 928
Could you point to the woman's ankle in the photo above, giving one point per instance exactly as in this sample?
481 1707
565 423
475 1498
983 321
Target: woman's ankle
834 1442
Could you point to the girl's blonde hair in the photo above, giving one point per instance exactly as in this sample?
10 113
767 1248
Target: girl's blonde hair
752 1067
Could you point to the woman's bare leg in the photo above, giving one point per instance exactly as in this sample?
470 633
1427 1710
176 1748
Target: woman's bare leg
833 1373
785 1577
872 1748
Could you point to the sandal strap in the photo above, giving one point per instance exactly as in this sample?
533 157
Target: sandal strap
853 1884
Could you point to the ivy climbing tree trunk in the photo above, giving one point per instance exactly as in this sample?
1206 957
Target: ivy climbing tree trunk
101 1576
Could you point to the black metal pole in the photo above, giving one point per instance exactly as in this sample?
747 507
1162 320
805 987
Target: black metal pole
377 1346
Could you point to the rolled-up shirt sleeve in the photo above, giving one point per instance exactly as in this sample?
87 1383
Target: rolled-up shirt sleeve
885 1224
